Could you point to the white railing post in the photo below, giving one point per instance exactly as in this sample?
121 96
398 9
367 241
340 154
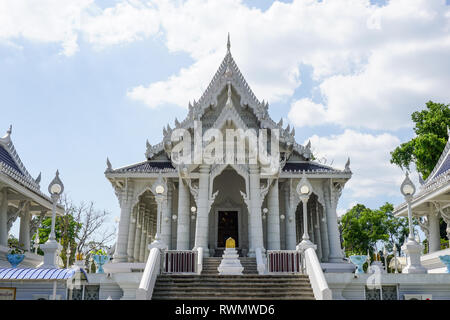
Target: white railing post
199 260
317 278
260 262
151 271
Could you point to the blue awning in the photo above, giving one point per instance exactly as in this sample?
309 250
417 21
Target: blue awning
38 274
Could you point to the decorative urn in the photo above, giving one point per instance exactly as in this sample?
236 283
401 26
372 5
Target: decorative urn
358 261
100 260
446 260
15 258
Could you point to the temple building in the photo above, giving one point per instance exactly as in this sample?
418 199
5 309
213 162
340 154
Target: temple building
204 203
20 197
431 204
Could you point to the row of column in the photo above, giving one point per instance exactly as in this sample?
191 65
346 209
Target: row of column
323 231
25 222
142 230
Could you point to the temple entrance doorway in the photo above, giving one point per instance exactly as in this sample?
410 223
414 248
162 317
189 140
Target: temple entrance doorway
227 226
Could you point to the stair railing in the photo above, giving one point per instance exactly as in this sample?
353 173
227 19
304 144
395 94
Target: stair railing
261 266
284 261
199 260
316 277
151 271
179 261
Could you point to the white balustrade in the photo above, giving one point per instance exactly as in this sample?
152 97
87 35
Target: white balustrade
316 277
179 261
151 271
284 261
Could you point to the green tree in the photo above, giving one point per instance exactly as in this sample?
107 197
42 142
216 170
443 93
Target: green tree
82 228
426 147
362 228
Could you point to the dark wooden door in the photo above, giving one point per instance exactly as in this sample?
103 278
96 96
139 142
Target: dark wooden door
227 227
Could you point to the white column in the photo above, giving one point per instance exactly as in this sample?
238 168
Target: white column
138 233
291 236
24 232
201 228
324 235
273 218
145 225
317 236
120 254
183 217
132 235
434 232
4 217
311 230
333 228
166 223
255 221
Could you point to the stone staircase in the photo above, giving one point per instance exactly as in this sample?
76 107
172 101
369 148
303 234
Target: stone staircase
210 285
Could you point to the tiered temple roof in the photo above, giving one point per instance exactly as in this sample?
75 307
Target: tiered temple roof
228 75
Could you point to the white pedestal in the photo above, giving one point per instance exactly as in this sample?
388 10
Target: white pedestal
51 250
230 264
413 250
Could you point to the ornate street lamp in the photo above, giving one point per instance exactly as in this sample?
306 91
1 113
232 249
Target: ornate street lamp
159 190
52 247
265 211
55 188
408 189
304 190
411 247
68 252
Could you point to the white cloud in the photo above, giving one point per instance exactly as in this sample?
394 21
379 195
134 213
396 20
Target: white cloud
305 112
368 60
373 174
128 21
46 21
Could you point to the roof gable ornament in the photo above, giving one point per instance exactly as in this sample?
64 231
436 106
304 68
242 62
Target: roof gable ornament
38 179
347 165
108 165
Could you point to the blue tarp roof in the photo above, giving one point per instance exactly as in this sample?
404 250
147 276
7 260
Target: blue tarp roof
37 274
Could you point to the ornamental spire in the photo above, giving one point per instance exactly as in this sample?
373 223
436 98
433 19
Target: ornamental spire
228 43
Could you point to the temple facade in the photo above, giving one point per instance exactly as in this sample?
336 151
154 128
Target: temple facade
205 201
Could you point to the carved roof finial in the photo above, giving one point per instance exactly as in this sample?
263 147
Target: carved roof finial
108 164
38 179
9 131
347 165
308 145
228 43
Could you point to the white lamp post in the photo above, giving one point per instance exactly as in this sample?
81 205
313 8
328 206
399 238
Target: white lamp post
52 247
68 256
159 197
193 210
411 247
304 190
265 210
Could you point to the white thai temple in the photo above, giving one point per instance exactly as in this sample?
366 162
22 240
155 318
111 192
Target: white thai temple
226 206
20 198
206 203
430 204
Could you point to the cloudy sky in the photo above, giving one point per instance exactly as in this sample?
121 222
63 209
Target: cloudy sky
81 80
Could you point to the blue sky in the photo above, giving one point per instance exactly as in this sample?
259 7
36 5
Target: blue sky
347 74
